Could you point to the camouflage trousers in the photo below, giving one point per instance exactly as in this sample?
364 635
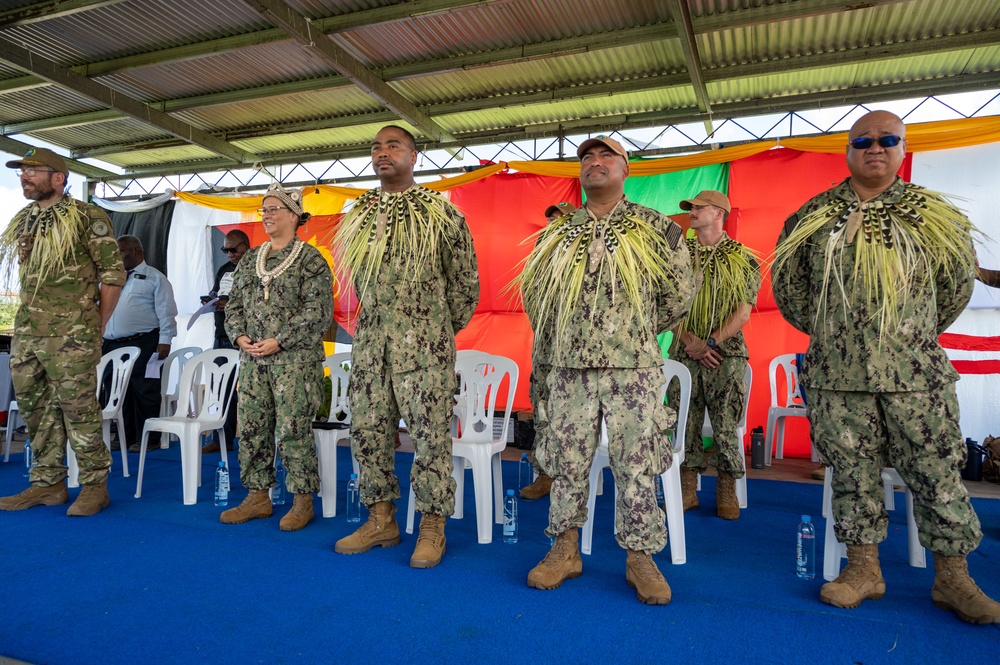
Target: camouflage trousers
538 391
279 401
722 392
917 433
628 400
55 381
424 398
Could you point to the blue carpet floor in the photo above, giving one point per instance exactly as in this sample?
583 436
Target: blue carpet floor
153 581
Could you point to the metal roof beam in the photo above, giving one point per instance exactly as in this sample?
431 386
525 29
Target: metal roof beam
50 71
786 11
681 14
300 28
43 11
19 148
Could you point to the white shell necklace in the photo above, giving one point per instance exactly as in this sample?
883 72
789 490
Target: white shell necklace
268 276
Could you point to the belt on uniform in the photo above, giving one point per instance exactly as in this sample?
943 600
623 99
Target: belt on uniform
130 338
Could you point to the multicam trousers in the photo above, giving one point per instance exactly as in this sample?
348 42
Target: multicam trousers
917 433
637 422
424 398
55 381
538 391
279 401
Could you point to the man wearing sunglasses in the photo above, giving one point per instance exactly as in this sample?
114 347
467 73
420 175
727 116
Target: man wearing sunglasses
234 247
873 271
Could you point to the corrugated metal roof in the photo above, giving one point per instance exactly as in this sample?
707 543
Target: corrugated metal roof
477 68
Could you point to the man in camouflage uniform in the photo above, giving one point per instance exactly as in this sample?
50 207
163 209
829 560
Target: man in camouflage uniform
881 389
710 344
71 276
539 390
606 363
415 272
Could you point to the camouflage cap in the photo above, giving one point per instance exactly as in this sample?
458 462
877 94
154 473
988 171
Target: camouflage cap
40 157
562 208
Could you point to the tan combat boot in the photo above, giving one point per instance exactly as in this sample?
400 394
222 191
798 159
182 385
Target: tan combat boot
36 495
539 488
955 591
430 542
727 506
689 485
861 580
91 500
381 529
642 575
257 505
563 562
300 514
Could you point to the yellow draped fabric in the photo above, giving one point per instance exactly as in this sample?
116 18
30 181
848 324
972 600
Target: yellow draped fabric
945 134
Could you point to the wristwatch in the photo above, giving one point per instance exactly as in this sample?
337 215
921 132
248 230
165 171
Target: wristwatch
712 344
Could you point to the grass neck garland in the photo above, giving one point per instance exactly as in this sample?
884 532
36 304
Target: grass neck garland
898 244
53 234
724 272
622 247
404 227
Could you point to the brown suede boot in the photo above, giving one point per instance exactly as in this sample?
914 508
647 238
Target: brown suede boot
563 562
956 592
90 501
642 575
539 488
689 484
430 543
861 580
300 514
257 505
36 495
727 506
381 529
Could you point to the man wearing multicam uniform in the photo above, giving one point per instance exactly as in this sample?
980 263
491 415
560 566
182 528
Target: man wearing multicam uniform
710 344
873 271
414 268
71 276
604 281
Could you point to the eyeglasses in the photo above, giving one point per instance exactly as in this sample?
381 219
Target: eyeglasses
864 142
31 171
232 250
270 211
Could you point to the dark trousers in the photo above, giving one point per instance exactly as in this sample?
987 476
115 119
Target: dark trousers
142 399
230 427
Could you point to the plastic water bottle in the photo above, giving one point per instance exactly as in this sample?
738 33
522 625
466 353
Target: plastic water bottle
353 509
524 472
222 485
510 518
278 491
660 501
805 549
29 458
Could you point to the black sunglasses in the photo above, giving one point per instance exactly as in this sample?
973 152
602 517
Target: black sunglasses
864 142
231 250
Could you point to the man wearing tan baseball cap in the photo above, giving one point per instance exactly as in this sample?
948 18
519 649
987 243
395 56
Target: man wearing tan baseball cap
708 197
40 157
557 210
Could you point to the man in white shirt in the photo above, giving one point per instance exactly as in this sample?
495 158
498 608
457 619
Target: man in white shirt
146 317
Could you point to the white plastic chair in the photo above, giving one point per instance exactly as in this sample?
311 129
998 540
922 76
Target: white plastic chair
834 550
329 433
168 388
790 405
671 478
741 431
122 363
477 445
206 389
466 361
12 411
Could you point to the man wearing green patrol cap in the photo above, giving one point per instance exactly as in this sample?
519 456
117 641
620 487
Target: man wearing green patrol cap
71 275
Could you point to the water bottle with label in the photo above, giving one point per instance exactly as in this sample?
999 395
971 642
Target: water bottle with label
660 500
524 472
278 492
29 458
510 518
222 485
353 503
805 549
